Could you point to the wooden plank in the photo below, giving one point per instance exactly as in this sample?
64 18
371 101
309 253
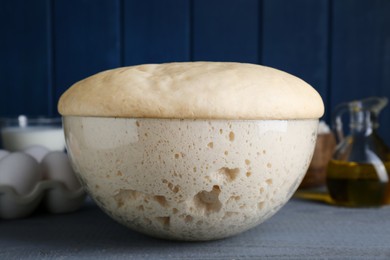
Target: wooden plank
361 53
86 40
295 39
156 31
226 30
24 48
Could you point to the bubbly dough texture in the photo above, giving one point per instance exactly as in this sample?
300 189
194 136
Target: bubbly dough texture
190 179
207 90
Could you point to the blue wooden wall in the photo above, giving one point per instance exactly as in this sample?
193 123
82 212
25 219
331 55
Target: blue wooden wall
341 47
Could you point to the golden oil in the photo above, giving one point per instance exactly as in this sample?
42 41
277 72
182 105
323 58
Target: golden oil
359 184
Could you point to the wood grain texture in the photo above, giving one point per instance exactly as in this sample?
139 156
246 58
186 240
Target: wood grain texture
156 31
300 230
24 56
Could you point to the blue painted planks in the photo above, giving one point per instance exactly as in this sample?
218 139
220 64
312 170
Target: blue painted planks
86 40
156 31
361 53
226 30
24 54
295 39
341 47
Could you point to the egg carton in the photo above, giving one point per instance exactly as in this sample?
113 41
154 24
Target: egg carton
52 195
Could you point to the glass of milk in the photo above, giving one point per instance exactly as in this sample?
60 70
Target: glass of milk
22 132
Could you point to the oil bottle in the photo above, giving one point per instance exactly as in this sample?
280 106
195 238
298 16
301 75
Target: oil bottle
359 173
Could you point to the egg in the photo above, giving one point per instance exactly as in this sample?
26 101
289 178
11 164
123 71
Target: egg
20 171
37 151
56 166
3 153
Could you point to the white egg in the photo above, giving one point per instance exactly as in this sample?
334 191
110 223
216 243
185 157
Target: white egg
37 151
3 153
56 166
20 171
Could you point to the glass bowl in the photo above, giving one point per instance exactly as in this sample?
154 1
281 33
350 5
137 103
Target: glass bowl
190 179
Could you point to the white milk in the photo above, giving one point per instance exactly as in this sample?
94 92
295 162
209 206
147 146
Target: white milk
19 138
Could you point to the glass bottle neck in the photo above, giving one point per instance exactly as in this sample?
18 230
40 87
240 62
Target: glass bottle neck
363 123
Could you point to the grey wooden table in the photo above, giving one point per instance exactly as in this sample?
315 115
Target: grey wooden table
301 230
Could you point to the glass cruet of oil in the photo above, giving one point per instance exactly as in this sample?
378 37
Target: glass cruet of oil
359 173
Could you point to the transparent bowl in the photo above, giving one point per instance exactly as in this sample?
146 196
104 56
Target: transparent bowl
22 132
190 179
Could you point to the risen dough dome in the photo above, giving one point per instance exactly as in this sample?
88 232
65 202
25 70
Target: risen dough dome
206 90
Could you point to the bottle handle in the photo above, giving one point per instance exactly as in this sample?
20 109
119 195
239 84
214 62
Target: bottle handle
337 122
